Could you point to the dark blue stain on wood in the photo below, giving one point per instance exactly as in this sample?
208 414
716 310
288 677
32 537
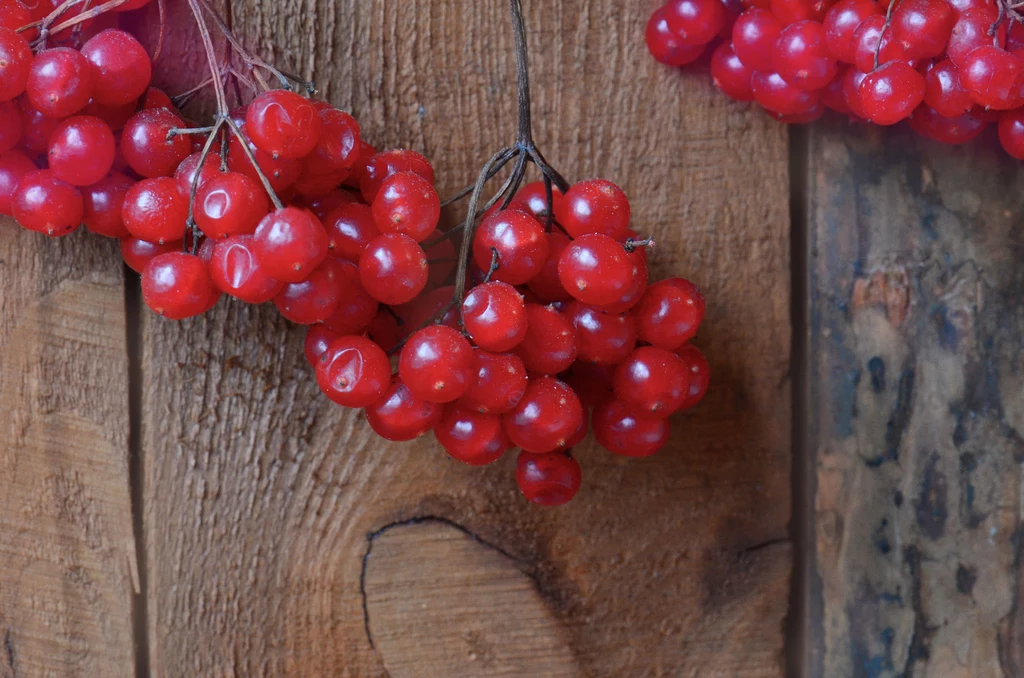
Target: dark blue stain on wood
876 368
944 328
930 507
844 397
880 538
965 579
865 641
897 498
899 419
921 637
971 517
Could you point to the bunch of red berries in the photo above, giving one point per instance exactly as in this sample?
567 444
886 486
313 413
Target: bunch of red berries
948 67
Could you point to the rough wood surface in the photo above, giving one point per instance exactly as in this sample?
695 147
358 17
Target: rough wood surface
66 544
260 494
917 406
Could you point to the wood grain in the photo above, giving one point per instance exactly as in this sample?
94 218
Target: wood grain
260 494
917 407
66 543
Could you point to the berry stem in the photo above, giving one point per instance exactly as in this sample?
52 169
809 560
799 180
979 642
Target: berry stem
194 188
525 136
244 143
885 27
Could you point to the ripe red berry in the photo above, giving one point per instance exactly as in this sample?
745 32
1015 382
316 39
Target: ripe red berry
551 344
314 299
546 284
145 144
322 205
547 416
891 92
1011 132
604 338
696 22
943 91
176 286
595 269
922 26
318 338
791 11
971 31
841 23
337 149
400 416
350 228
59 82
534 196
591 382
548 479
992 76
698 374
620 430
866 39
777 95
15 63
753 37
666 46
14 165
281 173
471 437
185 174
651 380
157 98
120 67
81 150
495 316
356 309
103 202
382 165
137 253
235 270
497 383
730 75
36 128
436 364
290 243
832 93
670 313
393 269
959 130
407 203
45 204
851 91
230 203
14 15
154 210
595 206
638 284
10 125
520 241
354 372
283 124
801 57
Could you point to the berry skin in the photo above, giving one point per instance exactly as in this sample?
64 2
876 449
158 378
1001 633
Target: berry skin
157 98
436 364
637 287
425 308
103 202
652 381
778 96
698 374
943 91
891 92
801 57
176 286
120 67
350 228
620 430
866 39
666 46
730 75
959 130
15 63
283 124
235 270
10 126
498 382
407 203
841 23
322 205
595 269
59 82
45 204
81 150
290 243
1011 132
592 382
356 309
520 241
546 284
382 165
154 210
282 173
546 417
14 165
971 31
670 313
696 22
551 344
595 206
137 253
604 338
185 174
992 76
471 437
318 338
535 197
337 149
14 15
401 416
753 38
230 203
548 479
354 372
145 145
791 11
495 316
832 93
851 91
922 26
314 299
393 269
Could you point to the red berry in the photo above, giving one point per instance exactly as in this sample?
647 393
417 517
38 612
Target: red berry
314 299
425 309
1011 132
337 149
550 345
730 75
535 197
154 210
546 284
604 338
354 372
145 144
547 416
891 92
592 382
137 253
281 173
407 203
436 364
548 479
971 31
322 205
595 269
801 57
696 22
470 436
698 374
753 37
45 204
176 286
638 284
14 165
59 82
290 243
595 206
318 338
620 430
959 130
777 95
132 5
993 77
652 381
157 98
235 270
670 313
283 124
922 26
866 39
666 46
103 202
14 15
440 258
943 91
120 67
10 126
230 203
495 316
15 63
356 309
393 269
185 174
832 93
384 164
851 91
841 23
81 150
520 241
350 228
498 382
791 11
400 416
36 128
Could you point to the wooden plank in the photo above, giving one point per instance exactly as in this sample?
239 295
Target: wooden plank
916 378
260 494
66 542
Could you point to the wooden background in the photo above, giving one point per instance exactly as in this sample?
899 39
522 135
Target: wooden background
178 500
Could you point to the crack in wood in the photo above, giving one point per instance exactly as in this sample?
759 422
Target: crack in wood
922 633
9 647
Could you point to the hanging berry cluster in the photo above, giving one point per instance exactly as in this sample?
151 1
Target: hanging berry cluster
506 331
948 67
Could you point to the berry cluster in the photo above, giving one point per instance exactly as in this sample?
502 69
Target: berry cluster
948 67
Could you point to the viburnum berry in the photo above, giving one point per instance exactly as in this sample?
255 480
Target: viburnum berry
591 382
45 204
14 15
59 82
670 313
792 11
971 31
1011 132
14 165
993 77
314 299
651 380
10 126
470 436
120 67
520 242
15 63
185 174
138 253
281 173
36 128
619 429
154 210
356 309
551 343
550 479
81 150
547 416
637 286
400 416
696 22
337 148
832 93
801 57
354 372
866 39
698 374
534 196
157 98
497 383
318 338
176 285
595 269
425 309
595 206
546 283
841 23
777 95
146 146
730 75
891 92
230 203
290 243
922 26
436 364
441 258
382 165
393 269
350 228
283 124
603 338
851 91
322 205
666 46
959 130
495 316
103 202
753 38
407 203
236 271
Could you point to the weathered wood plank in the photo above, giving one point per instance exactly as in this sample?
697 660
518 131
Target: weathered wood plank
260 494
917 406
66 542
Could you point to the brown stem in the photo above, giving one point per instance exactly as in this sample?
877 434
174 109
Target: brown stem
885 27
430 321
525 136
495 263
194 188
244 143
211 58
